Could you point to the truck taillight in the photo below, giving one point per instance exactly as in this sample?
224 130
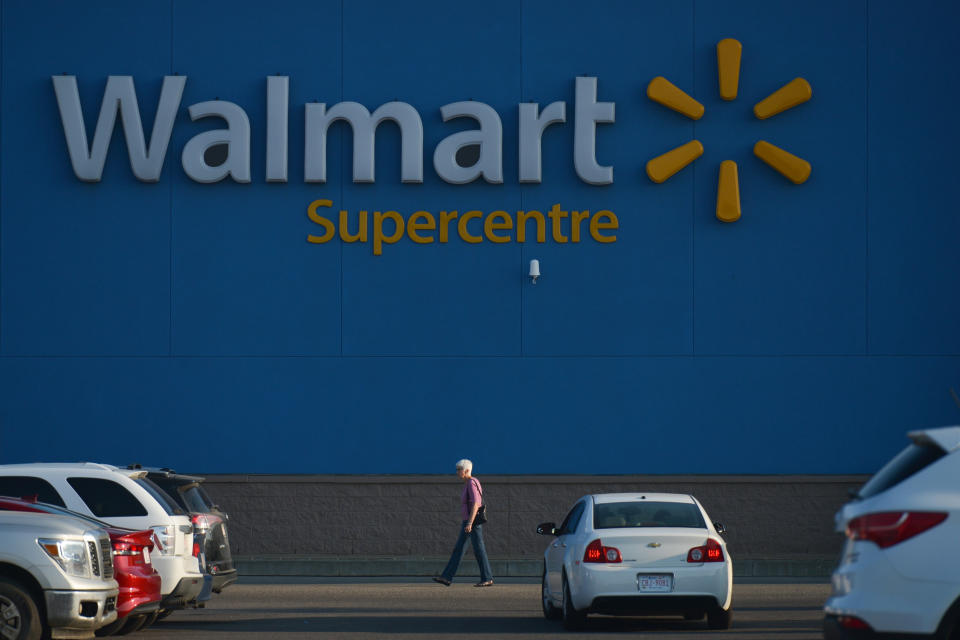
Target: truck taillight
710 552
596 552
892 527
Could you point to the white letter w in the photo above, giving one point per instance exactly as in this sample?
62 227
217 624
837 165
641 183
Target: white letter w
119 94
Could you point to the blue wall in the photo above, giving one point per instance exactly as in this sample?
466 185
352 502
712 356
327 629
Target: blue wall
193 326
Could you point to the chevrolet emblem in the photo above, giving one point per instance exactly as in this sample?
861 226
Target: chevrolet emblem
654 545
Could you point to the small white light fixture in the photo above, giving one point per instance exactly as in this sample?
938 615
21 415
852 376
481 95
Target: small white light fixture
534 270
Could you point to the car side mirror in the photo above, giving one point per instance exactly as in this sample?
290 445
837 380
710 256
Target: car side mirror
547 528
719 527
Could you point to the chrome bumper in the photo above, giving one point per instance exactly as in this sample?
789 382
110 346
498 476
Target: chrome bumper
77 614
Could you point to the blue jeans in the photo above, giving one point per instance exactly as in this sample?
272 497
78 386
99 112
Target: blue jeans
476 538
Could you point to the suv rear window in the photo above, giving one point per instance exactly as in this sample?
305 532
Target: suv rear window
187 494
171 507
911 460
617 515
24 486
106 498
194 498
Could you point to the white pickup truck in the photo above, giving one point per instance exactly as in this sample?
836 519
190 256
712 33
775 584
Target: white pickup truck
56 576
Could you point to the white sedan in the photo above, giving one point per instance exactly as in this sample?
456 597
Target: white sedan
637 554
899 574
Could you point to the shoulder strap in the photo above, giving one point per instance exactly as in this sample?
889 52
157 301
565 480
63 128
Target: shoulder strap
479 488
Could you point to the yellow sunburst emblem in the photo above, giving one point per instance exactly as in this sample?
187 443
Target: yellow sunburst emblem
795 92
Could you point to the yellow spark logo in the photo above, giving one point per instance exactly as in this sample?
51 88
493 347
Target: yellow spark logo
795 92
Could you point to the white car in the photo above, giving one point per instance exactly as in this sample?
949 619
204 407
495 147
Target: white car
123 498
899 573
637 554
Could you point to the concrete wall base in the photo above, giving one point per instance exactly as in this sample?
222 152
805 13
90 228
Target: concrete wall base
407 525
805 566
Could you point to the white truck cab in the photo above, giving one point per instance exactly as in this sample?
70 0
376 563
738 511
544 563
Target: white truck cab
56 577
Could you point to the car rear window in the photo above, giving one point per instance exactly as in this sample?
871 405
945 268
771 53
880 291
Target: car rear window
187 495
193 497
106 498
26 486
617 515
911 460
171 507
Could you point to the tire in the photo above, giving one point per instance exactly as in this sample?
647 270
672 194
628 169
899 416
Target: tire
163 613
133 624
20 618
151 618
550 610
949 628
573 620
111 628
719 618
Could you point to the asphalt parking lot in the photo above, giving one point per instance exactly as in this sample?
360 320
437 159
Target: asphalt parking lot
377 608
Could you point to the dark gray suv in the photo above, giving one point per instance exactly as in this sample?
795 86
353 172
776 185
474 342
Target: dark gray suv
209 521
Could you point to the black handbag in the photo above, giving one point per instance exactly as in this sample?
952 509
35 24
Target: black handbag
481 517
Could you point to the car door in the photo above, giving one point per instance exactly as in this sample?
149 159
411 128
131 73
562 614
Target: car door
557 552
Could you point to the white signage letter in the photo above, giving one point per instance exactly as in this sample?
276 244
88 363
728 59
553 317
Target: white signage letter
278 130
364 125
588 113
236 136
532 126
119 94
489 136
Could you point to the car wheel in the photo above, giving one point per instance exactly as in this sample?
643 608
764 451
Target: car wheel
151 618
163 613
133 624
19 617
949 628
110 629
719 618
550 610
572 619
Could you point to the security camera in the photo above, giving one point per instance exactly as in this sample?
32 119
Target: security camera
534 270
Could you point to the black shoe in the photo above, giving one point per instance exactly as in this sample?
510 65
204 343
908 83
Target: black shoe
441 580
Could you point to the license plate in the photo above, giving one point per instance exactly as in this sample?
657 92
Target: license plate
654 583
146 555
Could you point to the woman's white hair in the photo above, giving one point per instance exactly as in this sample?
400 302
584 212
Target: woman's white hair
465 464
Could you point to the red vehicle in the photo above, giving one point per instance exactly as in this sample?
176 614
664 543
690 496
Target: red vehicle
139 598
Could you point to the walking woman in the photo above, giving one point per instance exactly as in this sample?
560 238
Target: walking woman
470 502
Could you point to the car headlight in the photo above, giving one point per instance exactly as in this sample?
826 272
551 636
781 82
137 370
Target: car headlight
71 555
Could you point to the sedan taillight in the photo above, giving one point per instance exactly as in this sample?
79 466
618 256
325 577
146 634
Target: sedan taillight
892 527
135 551
710 552
596 552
